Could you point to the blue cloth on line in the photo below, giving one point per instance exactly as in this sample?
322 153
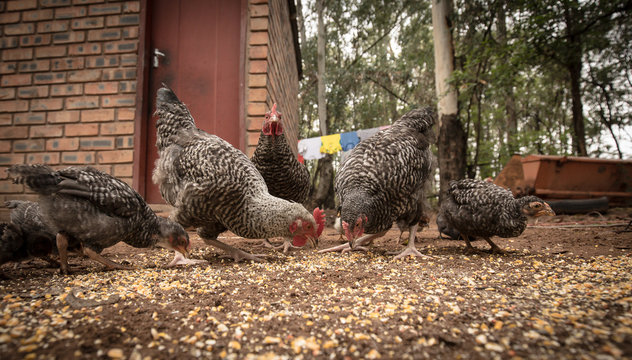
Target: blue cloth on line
348 140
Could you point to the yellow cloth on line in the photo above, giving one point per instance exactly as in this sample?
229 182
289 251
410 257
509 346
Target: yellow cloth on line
331 144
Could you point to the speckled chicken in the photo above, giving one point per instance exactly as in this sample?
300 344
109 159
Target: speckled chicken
284 175
97 210
215 187
482 209
383 179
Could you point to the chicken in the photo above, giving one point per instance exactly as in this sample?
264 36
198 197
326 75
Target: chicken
98 211
215 187
445 229
383 179
284 175
482 209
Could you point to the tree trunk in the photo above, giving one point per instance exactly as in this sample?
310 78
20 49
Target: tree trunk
323 189
452 142
510 105
574 67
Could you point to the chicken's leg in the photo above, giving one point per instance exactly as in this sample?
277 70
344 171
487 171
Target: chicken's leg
286 246
62 248
410 248
236 254
107 262
495 249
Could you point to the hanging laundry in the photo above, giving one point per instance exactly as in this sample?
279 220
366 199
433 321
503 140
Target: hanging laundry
331 144
348 140
367 133
301 159
384 127
310 148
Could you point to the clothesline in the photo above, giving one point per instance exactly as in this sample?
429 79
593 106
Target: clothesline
316 147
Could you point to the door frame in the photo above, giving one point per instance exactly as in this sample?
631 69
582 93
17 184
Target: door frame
145 101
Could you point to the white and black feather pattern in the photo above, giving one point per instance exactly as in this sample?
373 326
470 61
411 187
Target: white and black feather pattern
479 208
93 207
213 185
384 176
285 176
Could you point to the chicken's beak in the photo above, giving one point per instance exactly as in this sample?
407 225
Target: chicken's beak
183 251
547 211
313 241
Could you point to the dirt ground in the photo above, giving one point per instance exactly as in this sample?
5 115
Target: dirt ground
563 290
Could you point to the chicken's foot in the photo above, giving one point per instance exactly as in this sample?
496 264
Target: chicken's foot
495 249
286 246
360 244
107 262
410 248
233 252
179 259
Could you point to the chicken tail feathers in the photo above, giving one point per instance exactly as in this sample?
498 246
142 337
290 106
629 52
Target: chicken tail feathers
173 116
40 178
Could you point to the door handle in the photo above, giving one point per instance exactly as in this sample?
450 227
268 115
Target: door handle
157 55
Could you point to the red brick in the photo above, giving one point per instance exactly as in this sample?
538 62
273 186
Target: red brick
50 51
254 123
129 60
7 67
122 20
62 144
49 78
66 89
110 87
119 74
82 102
126 114
30 145
131 32
97 143
259 10
32 66
256 109
258 52
84 49
46 131
14 132
131 7
42 158
125 142
82 130
63 116
8 42
11 159
250 150
88 23
7 93
21 5
84 75
5 147
102 61
8 187
17 54
68 63
97 115
259 24
258 66
252 137
257 80
123 170
117 128
77 157
53 26
70 12
35 40
84 2
9 18
258 38
104 9
259 94
104 35
115 156
37 15
14 106
33 92
47 104
5 118
118 100
127 86
30 118
69 37
120 47
16 80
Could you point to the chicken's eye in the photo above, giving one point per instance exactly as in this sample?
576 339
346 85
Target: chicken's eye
267 116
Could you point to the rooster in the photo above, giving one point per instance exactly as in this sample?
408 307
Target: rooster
383 179
97 210
284 175
482 209
215 187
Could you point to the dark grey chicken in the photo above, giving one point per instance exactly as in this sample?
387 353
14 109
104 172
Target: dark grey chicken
482 209
284 175
383 180
98 210
446 229
215 187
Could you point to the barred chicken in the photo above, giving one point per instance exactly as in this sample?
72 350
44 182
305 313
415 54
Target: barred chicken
98 211
215 187
383 180
482 209
284 175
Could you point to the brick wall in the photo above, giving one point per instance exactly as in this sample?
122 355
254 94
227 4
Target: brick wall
67 85
272 71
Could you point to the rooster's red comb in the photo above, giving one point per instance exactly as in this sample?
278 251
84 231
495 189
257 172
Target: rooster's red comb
319 216
273 108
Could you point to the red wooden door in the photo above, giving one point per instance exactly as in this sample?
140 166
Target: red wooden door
202 47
